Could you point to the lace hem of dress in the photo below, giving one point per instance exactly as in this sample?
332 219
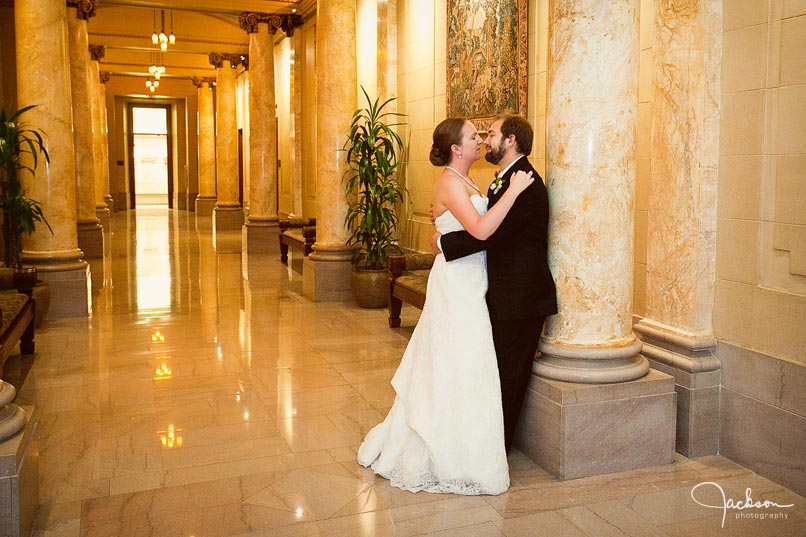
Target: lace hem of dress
430 483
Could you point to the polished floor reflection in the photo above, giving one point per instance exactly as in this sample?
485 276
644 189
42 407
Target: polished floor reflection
206 397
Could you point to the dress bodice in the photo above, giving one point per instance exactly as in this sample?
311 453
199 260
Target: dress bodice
447 222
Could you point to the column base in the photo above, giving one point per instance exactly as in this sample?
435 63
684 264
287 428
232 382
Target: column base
576 430
227 218
261 237
104 216
326 274
613 362
689 358
205 206
70 285
110 203
19 479
91 239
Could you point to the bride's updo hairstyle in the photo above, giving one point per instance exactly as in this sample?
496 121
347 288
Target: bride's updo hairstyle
447 133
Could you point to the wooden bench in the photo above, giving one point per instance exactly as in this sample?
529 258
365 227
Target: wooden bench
18 313
298 233
408 279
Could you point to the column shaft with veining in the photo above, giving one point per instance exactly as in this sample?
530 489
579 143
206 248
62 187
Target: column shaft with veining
228 213
205 202
99 134
681 240
43 79
591 131
90 232
261 226
326 273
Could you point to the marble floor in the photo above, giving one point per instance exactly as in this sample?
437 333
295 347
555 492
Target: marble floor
206 397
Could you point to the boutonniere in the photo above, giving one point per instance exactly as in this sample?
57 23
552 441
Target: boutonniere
497 184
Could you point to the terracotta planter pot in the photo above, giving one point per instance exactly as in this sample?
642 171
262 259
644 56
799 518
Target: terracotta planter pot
370 287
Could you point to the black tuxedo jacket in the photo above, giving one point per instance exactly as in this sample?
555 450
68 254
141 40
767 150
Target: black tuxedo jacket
520 283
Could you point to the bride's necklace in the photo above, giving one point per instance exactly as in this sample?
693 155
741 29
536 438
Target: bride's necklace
467 180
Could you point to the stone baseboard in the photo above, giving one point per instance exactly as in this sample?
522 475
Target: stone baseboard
763 414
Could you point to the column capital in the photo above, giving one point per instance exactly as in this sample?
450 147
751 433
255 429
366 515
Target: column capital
104 76
217 59
85 8
198 81
249 20
97 52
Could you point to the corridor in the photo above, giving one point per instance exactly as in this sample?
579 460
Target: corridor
206 397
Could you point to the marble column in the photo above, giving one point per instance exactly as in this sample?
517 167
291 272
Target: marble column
43 79
205 202
104 197
594 407
387 49
99 133
260 231
90 232
227 213
681 248
326 271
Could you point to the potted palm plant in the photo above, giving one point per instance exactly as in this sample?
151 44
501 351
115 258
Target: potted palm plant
20 148
372 148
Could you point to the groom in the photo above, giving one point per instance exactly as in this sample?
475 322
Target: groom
521 291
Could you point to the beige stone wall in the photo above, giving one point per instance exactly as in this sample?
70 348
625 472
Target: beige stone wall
761 226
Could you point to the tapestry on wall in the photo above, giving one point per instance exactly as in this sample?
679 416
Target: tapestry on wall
487 59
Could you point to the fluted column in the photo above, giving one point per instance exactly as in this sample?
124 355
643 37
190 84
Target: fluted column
99 142
594 406
326 271
90 232
228 213
205 202
43 79
677 329
260 232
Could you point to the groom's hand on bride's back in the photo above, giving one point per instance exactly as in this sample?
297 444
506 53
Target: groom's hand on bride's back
434 242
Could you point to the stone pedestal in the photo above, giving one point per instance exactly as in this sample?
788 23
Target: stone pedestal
261 238
71 293
576 430
205 206
19 479
326 280
227 218
104 216
91 239
690 360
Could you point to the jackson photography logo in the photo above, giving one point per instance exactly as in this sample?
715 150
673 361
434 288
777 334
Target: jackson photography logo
729 504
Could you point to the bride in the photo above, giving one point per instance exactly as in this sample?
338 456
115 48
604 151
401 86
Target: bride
445 431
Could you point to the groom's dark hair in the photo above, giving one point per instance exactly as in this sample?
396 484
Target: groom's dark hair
518 126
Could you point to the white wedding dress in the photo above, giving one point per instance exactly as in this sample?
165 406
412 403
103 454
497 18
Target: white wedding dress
445 431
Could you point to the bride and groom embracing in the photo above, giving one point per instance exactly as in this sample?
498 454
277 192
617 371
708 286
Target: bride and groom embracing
462 379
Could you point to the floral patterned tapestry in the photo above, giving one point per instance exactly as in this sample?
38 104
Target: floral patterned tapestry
487 62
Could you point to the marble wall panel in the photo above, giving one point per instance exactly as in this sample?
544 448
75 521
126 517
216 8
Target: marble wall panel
776 382
765 438
737 250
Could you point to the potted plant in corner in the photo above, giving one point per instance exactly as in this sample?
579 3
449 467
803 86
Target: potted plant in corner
373 149
20 148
